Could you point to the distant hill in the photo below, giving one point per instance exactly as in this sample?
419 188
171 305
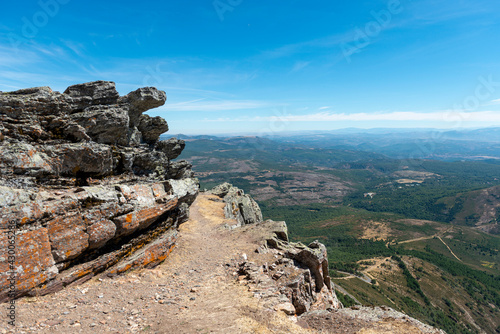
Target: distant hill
410 143
480 208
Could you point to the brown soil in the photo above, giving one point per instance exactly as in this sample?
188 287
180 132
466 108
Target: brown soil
376 231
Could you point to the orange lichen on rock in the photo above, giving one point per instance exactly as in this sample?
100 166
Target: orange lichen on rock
131 222
34 264
68 236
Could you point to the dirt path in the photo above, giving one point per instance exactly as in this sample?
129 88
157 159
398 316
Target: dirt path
363 278
193 291
437 235
203 252
413 240
449 249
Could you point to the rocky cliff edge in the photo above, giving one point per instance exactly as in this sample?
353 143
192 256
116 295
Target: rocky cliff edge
293 278
86 186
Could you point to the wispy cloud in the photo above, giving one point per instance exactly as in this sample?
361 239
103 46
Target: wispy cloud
434 12
77 48
224 105
300 65
291 49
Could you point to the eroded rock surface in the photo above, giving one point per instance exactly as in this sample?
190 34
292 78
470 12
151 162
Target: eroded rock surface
239 206
295 277
86 185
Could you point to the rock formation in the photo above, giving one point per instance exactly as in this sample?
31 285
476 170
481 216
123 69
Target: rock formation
85 185
295 277
238 206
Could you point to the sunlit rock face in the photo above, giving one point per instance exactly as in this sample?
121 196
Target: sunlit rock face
86 185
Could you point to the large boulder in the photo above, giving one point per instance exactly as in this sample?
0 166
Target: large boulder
151 128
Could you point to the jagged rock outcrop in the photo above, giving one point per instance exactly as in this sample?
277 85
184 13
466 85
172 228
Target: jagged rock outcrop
295 278
297 271
86 185
239 206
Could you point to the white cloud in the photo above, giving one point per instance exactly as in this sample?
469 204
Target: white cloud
300 65
224 105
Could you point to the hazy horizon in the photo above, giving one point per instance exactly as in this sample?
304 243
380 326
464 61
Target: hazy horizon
339 130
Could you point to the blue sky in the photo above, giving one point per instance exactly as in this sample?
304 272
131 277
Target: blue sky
241 66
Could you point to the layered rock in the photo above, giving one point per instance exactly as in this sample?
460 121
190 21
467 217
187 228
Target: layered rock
291 277
86 185
239 206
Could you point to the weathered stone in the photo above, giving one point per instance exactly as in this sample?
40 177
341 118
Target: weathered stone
300 272
10 197
277 229
149 256
238 206
221 190
159 191
134 136
68 237
99 229
65 127
142 100
34 264
25 104
86 112
83 158
21 214
180 170
185 190
287 308
53 207
93 93
105 124
151 128
139 194
142 218
101 194
315 258
150 162
24 158
172 147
